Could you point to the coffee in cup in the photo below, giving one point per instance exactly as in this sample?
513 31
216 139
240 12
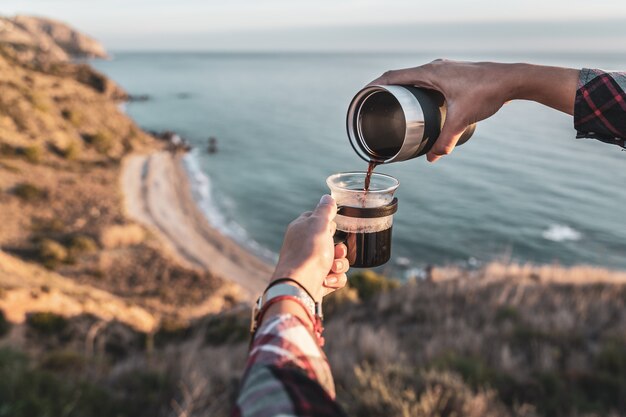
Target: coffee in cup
364 217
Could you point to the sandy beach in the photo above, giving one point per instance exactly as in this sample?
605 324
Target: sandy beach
157 194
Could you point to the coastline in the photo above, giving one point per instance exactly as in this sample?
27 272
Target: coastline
157 193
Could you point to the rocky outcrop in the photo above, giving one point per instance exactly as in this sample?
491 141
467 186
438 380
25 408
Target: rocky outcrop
47 40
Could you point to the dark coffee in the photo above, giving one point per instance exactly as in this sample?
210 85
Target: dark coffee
368 176
364 222
366 250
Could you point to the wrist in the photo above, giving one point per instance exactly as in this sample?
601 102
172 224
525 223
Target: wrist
551 86
288 307
518 81
284 298
299 280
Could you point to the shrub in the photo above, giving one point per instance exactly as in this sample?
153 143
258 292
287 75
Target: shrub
369 283
122 235
155 389
81 244
101 141
5 325
71 151
27 391
63 361
7 150
72 116
10 167
612 358
171 329
54 225
46 323
337 299
397 390
227 329
505 313
32 154
51 253
29 192
473 370
39 102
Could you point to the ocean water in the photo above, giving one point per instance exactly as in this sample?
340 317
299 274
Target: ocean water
522 189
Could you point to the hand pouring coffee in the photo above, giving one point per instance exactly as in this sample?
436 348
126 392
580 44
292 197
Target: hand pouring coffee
385 124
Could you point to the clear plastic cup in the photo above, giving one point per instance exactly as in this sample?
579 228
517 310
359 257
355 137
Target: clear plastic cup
364 218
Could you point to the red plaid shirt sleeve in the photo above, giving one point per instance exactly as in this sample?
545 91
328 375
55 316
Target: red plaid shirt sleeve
600 106
287 374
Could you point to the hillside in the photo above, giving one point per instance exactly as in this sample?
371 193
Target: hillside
99 317
62 141
42 39
502 340
87 296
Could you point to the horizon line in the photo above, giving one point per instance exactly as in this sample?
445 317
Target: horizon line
150 50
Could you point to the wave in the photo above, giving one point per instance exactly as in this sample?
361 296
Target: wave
202 191
561 233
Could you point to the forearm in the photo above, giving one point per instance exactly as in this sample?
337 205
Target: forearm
286 369
551 86
288 307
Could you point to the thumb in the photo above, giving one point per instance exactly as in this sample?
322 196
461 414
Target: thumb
451 132
326 209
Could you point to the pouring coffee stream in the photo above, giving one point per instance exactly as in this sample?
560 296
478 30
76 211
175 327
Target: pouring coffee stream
368 176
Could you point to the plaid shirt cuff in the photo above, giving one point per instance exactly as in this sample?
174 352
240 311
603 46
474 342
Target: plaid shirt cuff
287 373
600 106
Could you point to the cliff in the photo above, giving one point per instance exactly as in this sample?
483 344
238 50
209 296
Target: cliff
63 138
47 39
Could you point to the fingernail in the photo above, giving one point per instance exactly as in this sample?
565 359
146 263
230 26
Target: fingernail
338 265
331 280
327 199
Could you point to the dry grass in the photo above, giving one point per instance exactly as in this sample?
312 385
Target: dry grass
28 288
120 236
580 274
394 390
517 336
482 345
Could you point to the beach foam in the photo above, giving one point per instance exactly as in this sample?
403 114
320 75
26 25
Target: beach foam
561 233
202 190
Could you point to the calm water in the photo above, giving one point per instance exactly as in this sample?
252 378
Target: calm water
522 188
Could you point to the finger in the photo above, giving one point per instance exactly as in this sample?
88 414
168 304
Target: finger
326 209
335 281
451 132
341 251
333 228
419 76
340 266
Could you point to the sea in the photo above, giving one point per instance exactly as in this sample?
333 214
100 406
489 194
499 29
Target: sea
523 189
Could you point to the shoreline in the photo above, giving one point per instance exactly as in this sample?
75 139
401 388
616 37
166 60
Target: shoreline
157 193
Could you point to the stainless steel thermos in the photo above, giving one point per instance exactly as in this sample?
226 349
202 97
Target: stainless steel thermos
391 123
